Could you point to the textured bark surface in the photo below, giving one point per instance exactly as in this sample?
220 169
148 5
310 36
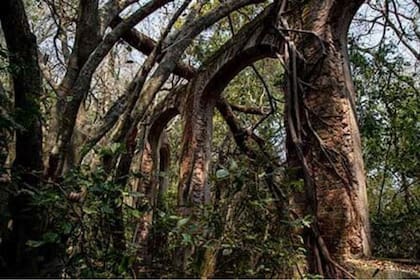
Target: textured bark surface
154 160
145 186
178 45
79 85
251 43
86 40
17 259
327 149
196 152
323 117
323 139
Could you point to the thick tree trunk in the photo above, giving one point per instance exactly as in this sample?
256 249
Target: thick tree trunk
323 138
86 40
20 260
77 86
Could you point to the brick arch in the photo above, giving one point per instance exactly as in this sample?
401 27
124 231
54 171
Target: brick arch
154 149
340 205
255 41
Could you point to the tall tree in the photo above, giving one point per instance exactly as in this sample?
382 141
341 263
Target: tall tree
323 136
25 222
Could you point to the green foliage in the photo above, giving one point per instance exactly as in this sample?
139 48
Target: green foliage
82 230
207 43
241 226
249 243
397 232
7 121
388 108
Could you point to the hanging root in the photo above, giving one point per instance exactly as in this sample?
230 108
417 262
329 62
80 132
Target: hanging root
321 251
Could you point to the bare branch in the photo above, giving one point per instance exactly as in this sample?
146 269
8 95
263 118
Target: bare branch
145 45
175 50
250 110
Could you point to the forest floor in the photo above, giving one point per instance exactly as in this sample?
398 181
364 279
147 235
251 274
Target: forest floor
386 268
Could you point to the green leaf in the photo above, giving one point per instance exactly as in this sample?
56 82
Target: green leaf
227 252
262 175
222 173
182 222
186 238
89 211
107 210
173 217
34 243
136 213
233 165
66 228
306 222
50 237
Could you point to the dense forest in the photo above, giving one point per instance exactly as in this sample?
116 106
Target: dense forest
209 138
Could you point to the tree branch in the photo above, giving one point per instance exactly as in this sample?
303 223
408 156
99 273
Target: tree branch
145 45
250 110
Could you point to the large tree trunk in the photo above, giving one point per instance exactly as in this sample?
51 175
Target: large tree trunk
323 137
86 40
88 53
20 260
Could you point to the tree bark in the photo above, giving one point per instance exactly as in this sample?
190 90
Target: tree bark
323 138
154 158
86 40
78 87
20 260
